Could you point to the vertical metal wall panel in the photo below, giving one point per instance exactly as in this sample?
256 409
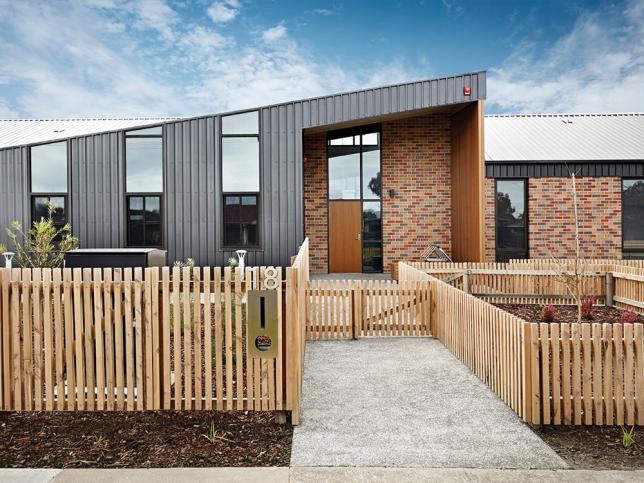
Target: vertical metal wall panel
14 185
97 190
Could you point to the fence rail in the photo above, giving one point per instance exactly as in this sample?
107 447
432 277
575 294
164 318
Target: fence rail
343 309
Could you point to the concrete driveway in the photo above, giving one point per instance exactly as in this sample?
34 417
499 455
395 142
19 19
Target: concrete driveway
406 402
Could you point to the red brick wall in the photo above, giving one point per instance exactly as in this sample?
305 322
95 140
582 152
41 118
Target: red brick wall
416 163
490 222
551 219
415 158
315 201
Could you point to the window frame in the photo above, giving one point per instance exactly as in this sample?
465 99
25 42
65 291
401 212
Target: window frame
526 218
51 194
222 199
624 250
223 221
358 131
127 219
127 194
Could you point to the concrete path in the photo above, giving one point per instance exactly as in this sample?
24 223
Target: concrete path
406 402
314 475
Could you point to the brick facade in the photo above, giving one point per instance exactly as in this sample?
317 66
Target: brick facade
551 219
416 164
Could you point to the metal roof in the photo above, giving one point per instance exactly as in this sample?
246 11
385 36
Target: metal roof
564 137
17 132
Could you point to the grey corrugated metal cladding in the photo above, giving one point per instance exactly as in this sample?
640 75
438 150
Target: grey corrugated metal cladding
192 198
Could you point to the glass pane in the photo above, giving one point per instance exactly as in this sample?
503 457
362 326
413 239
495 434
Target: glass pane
244 123
370 139
372 257
152 208
249 211
249 234
40 209
231 234
232 209
371 173
510 215
148 131
240 164
143 165
153 234
344 174
633 214
348 141
49 168
371 221
135 208
135 233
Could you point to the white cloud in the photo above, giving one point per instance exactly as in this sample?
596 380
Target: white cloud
155 15
5 111
222 12
597 67
274 33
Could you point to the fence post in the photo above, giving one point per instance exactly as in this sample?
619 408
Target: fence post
526 372
357 310
466 282
610 289
293 360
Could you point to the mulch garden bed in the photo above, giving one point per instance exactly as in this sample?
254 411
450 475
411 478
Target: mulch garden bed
566 313
142 439
595 447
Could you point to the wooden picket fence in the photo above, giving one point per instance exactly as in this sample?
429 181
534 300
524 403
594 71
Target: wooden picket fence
348 309
123 339
547 373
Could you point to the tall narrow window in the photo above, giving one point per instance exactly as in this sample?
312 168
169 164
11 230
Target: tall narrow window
144 187
511 220
354 174
633 218
240 180
48 170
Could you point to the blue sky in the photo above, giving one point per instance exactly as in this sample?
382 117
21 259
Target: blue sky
100 58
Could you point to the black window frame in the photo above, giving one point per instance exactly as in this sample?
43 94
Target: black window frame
50 194
634 253
359 131
498 251
134 194
258 194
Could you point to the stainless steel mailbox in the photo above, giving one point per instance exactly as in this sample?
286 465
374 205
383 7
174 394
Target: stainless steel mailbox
262 323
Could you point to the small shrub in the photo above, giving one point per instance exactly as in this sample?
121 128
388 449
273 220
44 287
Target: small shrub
548 314
628 317
214 434
628 437
233 262
587 308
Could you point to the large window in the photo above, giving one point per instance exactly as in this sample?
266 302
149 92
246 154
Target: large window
240 180
144 187
48 177
511 220
354 174
633 218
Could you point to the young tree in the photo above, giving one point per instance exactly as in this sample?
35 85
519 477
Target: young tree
574 277
44 245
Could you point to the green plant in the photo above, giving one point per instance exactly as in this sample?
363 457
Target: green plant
233 262
44 245
190 263
628 437
214 434
100 441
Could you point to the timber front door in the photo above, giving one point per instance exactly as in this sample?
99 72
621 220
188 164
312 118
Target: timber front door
345 233
355 222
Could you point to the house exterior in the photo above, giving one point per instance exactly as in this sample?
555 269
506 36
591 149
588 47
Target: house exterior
371 177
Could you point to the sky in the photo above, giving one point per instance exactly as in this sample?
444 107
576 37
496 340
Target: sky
125 58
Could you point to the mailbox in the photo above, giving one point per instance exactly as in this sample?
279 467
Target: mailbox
262 323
